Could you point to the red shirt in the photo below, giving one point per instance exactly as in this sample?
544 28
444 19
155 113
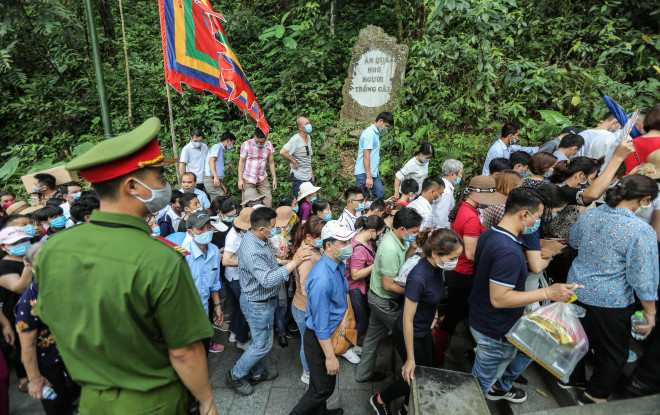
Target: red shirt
643 146
467 223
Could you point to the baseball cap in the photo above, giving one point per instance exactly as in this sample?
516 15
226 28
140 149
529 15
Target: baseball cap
12 234
197 220
334 229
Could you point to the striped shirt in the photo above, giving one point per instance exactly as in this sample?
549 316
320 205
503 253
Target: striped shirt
255 160
348 219
260 276
302 153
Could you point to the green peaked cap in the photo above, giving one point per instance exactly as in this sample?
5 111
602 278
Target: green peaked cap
117 147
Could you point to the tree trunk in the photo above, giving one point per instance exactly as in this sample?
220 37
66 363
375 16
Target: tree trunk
107 21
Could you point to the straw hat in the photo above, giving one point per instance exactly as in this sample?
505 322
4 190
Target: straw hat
306 189
654 158
482 190
17 208
242 221
284 215
31 209
251 195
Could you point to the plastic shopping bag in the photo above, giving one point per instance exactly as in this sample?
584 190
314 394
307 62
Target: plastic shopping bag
553 336
405 270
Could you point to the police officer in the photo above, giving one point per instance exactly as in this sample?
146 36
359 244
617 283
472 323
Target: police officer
121 304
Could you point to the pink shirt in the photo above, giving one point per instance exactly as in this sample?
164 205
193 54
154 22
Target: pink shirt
256 160
363 256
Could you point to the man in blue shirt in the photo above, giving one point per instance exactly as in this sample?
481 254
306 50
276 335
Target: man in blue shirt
261 276
326 288
368 157
188 185
505 146
214 169
204 263
498 296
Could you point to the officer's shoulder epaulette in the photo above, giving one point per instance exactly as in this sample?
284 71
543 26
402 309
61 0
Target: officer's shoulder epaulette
176 247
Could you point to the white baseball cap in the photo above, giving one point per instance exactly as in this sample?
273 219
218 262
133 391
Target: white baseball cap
336 230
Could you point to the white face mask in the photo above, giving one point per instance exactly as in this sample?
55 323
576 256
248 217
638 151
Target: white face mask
641 209
448 266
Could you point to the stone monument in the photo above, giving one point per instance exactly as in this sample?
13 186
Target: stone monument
375 73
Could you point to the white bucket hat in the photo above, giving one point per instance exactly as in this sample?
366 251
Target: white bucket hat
306 189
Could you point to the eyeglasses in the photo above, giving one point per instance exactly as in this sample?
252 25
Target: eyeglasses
307 150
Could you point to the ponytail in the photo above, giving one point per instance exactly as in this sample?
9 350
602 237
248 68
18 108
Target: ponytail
370 222
312 227
442 241
566 168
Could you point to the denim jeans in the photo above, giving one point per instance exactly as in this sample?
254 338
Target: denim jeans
361 311
495 360
237 325
295 185
378 190
299 316
259 317
280 320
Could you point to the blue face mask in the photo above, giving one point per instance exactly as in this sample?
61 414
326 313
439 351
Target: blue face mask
272 233
228 219
457 182
318 244
410 238
58 223
260 145
19 250
534 227
361 207
76 195
328 217
547 175
313 199
36 188
203 238
551 217
308 128
230 147
424 160
295 209
156 231
29 229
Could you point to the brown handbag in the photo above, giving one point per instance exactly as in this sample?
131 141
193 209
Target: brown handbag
345 334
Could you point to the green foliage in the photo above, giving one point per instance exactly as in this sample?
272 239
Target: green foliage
473 64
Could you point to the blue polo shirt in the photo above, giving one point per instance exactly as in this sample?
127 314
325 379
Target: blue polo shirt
205 270
499 259
217 151
326 289
369 140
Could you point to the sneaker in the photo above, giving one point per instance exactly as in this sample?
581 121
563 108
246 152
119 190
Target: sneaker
232 338
571 385
216 348
379 408
521 380
305 378
242 386
357 350
516 395
265 376
223 327
632 356
351 357
243 346
585 400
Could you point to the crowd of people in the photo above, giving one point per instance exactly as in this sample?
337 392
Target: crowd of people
134 277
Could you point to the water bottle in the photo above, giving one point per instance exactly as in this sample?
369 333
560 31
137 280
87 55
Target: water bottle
637 319
47 393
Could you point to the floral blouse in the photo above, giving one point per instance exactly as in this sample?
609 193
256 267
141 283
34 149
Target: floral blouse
618 254
27 320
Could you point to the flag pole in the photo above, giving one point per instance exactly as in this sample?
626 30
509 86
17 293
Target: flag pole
176 152
105 110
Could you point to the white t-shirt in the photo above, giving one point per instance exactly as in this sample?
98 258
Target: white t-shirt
601 145
424 208
297 148
444 206
232 242
195 159
413 169
590 136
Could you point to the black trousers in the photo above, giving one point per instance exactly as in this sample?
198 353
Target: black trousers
67 391
321 385
648 367
608 330
459 287
423 357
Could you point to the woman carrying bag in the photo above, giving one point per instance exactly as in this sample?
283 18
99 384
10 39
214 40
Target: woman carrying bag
327 305
411 334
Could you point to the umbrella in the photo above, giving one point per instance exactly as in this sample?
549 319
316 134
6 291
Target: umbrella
619 113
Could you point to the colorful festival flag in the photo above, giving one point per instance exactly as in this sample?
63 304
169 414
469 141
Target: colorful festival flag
197 52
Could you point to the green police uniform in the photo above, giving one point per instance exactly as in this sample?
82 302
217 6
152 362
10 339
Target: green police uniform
116 300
